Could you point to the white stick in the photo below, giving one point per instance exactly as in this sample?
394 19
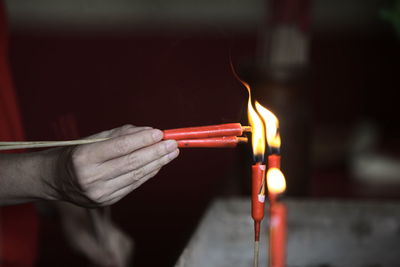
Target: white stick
256 253
37 144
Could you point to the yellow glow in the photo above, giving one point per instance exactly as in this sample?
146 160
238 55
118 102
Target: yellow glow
276 181
258 131
258 141
271 126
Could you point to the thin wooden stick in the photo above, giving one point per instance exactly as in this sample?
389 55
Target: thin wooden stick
256 253
37 144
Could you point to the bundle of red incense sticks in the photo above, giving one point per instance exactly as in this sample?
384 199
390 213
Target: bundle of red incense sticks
222 135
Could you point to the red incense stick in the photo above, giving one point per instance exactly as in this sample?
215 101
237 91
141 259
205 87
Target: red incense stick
226 141
220 130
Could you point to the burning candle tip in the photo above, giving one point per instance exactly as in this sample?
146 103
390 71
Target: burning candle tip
275 150
246 129
243 139
258 158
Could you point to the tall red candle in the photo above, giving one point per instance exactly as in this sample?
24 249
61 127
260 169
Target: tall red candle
277 234
257 203
277 218
274 161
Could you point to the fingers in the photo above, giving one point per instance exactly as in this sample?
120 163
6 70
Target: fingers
122 145
128 182
138 159
102 173
119 194
140 174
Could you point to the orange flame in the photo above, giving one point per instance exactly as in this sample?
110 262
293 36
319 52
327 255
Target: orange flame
271 126
275 181
256 123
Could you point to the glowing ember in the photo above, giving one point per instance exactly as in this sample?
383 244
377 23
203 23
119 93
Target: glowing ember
275 181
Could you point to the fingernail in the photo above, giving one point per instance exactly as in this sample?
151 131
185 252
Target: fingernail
157 135
174 154
171 145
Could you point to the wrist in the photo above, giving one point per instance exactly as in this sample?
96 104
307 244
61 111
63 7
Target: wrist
26 177
49 162
59 179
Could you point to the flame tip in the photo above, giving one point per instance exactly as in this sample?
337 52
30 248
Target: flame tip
271 126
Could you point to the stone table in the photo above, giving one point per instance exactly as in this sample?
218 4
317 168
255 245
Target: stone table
321 233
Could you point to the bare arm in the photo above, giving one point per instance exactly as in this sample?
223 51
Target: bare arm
23 176
87 175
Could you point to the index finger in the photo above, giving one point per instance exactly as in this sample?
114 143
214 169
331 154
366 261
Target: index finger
122 145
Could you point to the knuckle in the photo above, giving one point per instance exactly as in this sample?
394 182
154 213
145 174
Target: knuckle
126 128
148 137
106 133
134 160
137 174
161 150
120 130
121 145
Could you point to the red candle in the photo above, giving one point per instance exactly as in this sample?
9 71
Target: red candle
277 218
226 141
257 197
274 161
229 129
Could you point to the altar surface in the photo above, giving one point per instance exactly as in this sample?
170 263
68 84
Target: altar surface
328 233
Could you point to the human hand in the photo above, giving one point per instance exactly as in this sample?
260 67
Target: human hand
100 174
93 234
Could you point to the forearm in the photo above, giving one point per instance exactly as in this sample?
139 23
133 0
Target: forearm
26 177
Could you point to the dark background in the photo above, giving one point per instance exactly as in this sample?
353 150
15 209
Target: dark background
170 72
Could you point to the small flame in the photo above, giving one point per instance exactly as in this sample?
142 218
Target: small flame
271 126
258 131
276 181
